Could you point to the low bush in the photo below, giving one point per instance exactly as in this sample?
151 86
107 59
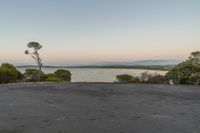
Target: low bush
9 74
53 79
125 78
31 75
63 75
20 76
157 79
50 77
144 77
173 76
154 78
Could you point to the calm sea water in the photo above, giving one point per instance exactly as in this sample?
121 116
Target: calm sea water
98 74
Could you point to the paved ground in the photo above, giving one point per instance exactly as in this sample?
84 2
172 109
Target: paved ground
99 108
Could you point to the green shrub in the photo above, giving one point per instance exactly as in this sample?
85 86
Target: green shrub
125 78
136 80
53 79
63 75
187 72
172 75
9 74
20 75
31 75
50 77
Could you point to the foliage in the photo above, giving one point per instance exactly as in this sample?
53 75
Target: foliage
31 75
195 57
53 79
144 77
9 74
50 77
187 72
34 45
63 75
172 75
20 75
154 78
125 78
35 55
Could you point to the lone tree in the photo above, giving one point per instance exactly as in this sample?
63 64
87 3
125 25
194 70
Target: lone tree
35 55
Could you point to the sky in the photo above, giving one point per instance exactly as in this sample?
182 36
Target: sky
89 31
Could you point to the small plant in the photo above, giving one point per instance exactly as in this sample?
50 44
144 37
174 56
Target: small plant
50 77
9 74
172 76
156 79
145 76
31 75
63 75
53 79
125 78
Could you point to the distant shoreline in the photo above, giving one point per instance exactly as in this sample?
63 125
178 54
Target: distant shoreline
154 67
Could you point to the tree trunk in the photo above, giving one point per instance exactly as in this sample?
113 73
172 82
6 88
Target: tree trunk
39 75
39 65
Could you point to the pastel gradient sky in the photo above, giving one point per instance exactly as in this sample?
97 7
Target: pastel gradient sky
86 31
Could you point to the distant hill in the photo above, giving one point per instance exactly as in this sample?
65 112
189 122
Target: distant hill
144 64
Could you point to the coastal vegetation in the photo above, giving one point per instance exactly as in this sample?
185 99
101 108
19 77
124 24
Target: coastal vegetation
52 78
144 77
187 72
63 75
35 55
126 78
31 75
60 75
9 74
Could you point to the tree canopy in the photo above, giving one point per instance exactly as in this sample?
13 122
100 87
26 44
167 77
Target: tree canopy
34 45
187 72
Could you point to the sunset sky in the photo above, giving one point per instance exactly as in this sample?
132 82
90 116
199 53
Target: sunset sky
88 31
